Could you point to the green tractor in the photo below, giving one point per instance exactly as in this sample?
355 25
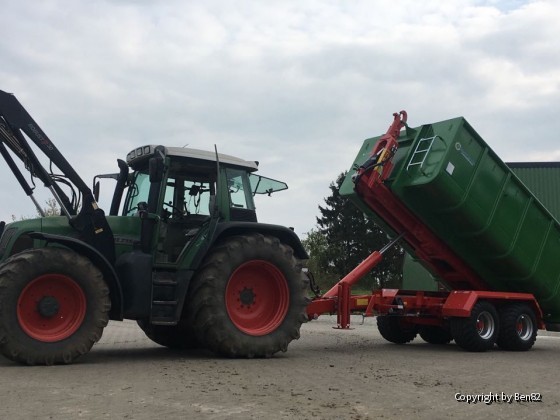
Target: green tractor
181 252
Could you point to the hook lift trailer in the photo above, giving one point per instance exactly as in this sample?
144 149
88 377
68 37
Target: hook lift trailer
455 206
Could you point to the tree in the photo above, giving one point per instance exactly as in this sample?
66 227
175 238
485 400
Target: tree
316 246
51 209
345 236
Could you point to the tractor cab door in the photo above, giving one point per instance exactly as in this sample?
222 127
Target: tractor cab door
183 208
186 210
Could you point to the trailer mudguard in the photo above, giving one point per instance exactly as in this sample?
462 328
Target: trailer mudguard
459 303
96 258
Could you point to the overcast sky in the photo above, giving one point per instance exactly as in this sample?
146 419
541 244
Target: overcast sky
296 85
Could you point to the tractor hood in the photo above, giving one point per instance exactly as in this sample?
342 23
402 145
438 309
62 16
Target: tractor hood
15 237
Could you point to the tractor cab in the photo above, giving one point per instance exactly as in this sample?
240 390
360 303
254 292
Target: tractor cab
183 190
190 182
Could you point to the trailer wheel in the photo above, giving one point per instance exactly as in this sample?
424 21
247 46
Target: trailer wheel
479 331
435 335
249 297
54 305
395 330
518 327
176 337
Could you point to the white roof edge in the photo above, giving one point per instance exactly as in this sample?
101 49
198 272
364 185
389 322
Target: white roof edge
207 155
210 156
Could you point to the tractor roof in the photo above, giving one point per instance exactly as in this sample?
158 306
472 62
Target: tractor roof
140 154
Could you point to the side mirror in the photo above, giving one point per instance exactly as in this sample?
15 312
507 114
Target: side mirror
96 191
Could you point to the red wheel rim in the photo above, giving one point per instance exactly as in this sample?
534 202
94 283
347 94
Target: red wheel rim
51 308
257 297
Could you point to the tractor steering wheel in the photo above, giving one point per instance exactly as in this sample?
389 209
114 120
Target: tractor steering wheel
175 211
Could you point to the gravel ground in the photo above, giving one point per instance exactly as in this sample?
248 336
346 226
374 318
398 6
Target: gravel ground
327 374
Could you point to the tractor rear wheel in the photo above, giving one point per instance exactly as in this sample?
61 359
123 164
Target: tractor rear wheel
392 328
176 337
54 305
248 299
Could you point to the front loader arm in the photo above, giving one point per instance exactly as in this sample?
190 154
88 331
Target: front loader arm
89 220
19 146
19 119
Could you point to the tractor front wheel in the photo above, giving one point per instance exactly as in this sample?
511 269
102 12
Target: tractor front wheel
54 305
249 297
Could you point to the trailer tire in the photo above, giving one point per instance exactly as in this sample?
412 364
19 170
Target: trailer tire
479 331
518 327
248 299
175 337
435 335
54 305
393 329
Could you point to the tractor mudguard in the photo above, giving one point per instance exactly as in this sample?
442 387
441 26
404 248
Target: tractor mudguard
98 260
286 235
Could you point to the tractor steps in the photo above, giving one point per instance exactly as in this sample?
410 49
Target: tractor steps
164 299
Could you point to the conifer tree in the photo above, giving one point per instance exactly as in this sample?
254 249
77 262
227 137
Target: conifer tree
348 237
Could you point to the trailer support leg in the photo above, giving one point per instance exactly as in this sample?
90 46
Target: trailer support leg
343 313
341 290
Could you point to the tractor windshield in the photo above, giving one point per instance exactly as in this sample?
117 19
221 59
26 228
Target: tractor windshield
138 193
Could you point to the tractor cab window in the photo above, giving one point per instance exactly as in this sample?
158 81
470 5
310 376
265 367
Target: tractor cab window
239 189
137 193
263 185
185 196
241 205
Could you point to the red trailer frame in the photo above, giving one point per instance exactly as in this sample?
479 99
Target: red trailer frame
414 307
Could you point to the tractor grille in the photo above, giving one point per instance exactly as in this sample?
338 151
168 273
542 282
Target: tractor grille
6 236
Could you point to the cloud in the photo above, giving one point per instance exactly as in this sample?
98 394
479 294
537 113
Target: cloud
296 85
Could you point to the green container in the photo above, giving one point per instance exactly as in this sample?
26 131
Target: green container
416 277
456 185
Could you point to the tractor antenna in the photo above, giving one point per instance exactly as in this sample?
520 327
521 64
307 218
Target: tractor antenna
216 209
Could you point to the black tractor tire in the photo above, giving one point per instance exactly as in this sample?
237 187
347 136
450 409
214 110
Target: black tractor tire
435 335
392 328
479 331
175 337
248 299
518 327
54 304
